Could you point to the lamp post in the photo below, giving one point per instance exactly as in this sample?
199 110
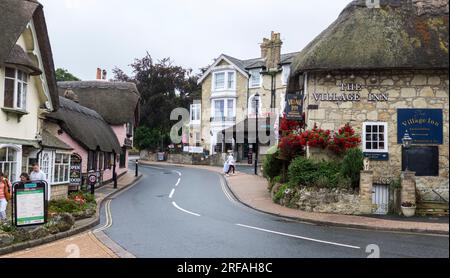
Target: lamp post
406 142
256 102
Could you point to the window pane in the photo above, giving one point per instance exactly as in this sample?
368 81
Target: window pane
374 146
9 93
230 108
23 76
368 137
381 145
220 81
369 146
230 80
11 155
66 173
10 72
66 159
19 95
375 128
24 96
381 128
381 137
58 158
219 108
368 128
3 154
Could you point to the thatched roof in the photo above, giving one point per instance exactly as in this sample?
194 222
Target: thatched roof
20 58
402 34
16 14
85 126
116 102
51 141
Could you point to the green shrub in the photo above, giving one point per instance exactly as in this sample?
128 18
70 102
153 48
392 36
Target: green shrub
352 165
280 193
272 166
64 205
310 173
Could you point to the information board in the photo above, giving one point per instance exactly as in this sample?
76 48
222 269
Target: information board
30 207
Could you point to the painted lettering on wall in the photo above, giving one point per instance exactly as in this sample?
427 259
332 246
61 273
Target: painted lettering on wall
350 92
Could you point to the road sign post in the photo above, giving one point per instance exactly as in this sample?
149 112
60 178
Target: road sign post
92 179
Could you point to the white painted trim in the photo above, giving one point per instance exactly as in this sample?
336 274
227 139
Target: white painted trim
218 60
37 53
18 149
386 137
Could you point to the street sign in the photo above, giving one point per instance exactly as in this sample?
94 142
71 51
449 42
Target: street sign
30 207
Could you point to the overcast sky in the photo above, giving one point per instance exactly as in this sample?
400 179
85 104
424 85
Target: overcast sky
86 34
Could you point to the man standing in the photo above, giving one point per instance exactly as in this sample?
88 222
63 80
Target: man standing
38 175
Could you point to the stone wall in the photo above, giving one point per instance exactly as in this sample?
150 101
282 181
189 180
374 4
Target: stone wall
405 89
59 192
185 158
336 201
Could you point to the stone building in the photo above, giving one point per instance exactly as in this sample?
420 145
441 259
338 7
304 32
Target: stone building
229 87
384 70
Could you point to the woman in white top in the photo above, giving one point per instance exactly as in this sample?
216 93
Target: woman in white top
231 164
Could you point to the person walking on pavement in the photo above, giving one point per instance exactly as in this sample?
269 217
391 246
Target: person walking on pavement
5 195
38 175
231 165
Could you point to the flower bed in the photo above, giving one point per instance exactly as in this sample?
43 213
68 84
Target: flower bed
62 215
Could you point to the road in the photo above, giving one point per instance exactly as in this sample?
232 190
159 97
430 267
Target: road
189 213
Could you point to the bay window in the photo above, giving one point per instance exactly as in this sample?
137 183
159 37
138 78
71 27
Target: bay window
15 92
223 110
375 137
61 168
224 80
255 78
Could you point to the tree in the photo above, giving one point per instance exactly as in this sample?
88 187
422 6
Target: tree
163 87
65 75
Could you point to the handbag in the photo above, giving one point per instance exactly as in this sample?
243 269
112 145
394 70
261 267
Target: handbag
6 189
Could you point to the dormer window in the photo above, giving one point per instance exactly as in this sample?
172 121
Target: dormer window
255 78
224 80
16 85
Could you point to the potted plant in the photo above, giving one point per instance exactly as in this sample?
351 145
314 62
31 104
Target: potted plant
408 209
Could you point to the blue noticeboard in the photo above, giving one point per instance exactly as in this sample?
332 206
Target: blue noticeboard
425 126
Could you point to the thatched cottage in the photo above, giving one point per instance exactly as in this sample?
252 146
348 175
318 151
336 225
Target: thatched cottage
384 69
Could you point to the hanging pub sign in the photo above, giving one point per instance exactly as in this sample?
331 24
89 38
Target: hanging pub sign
30 207
75 170
425 126
294 107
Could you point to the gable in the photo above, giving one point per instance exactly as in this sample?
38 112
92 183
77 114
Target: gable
222 61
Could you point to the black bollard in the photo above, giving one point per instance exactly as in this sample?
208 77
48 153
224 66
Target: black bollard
136 168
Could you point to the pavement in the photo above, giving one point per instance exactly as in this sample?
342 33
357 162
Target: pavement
252 191
176 211
85 244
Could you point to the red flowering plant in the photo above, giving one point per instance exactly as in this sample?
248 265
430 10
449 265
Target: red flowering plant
315 138
290 126
344 139
291 146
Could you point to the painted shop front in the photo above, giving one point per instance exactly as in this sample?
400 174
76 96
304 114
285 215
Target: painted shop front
390 83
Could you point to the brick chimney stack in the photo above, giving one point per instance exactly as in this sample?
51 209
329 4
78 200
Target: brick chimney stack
271 50
99 74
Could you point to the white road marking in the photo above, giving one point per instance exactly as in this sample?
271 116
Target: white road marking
225 191
183 210
171 193
178 172
178 182
300 237
108 216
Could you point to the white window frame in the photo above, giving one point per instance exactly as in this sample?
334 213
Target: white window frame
285 74
17 82
13 175
386 137
226 86
194 107
66 167
225 107
254 72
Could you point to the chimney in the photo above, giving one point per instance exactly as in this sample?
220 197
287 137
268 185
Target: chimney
271 50
104 73
99 74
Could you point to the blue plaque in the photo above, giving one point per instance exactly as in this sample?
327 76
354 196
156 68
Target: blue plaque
425 126
377 156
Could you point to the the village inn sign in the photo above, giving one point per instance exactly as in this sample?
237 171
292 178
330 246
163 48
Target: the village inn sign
350 92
